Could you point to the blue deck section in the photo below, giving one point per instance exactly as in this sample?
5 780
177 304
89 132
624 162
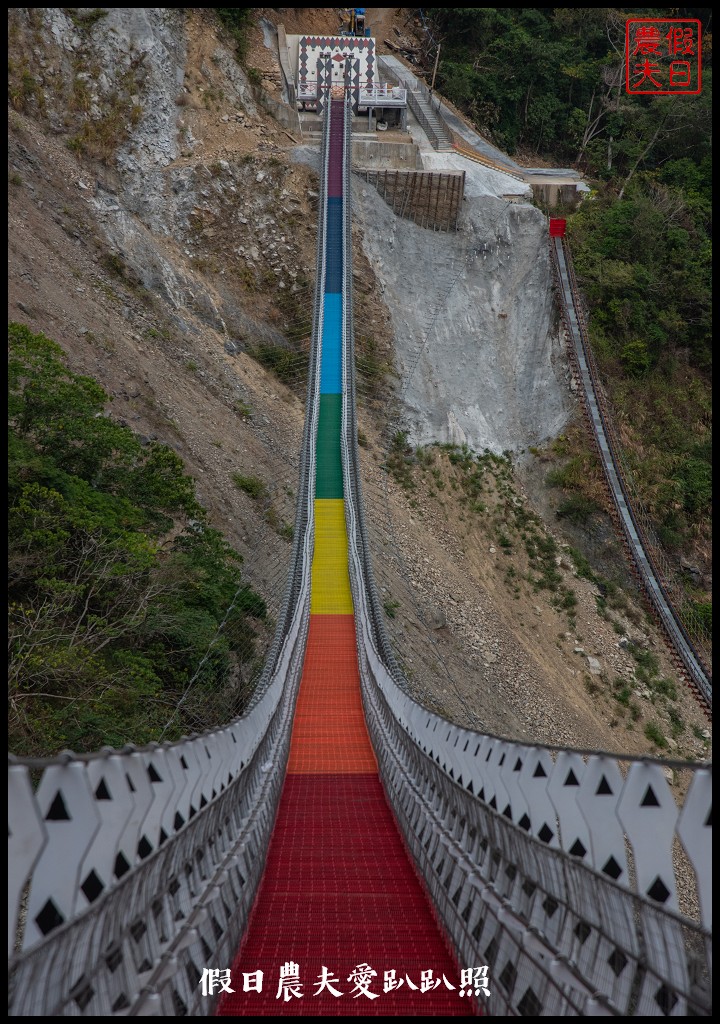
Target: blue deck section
331 366
331 360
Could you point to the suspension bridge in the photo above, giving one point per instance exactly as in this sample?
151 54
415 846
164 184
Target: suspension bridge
339 849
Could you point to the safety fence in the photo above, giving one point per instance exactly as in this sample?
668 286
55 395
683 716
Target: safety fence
432 199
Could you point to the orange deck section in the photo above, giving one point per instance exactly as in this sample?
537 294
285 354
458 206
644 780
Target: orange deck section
329 733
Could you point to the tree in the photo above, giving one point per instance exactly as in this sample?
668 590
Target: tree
118 586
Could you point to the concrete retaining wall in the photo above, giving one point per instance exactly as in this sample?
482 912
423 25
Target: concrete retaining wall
369 153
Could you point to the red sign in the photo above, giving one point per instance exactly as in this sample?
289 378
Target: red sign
663 57
557 227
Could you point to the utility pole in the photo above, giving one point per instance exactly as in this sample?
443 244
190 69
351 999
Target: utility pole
437 58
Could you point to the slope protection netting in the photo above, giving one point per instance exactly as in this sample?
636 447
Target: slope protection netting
247 630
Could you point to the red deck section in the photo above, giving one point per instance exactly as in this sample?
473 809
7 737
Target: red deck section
339 891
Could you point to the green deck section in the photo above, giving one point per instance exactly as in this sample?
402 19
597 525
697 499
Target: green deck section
328 475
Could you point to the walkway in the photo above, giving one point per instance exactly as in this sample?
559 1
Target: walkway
339 890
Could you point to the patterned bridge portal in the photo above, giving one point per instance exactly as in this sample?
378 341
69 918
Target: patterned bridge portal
338 823
338 890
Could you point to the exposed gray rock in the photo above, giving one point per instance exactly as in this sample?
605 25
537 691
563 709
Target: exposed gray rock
436 617
479 353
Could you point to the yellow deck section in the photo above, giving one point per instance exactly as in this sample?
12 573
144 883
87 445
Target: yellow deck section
330 594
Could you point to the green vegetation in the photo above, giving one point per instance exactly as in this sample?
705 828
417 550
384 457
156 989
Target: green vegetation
644 265
294 305
400 460
24 90
591 686
509 522
97 106
371 369
289 366
101 137
623 695
654 733
646 663
666 688
237 20
577 507
117 584
84 19
550 82
582 566
677 722
251 485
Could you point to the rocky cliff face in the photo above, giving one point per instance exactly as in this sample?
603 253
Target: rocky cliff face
477 351
476 334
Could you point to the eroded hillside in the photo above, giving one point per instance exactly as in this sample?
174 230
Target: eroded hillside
163 232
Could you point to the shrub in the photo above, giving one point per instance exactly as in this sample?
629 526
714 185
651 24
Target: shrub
666 688
85 19
647 663
677 724
288 366
251 485
654 733
623 695
400 460
577 508
237 21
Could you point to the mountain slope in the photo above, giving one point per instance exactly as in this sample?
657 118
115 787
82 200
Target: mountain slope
166 248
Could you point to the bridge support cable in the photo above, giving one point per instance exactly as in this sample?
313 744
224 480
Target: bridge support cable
632 530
